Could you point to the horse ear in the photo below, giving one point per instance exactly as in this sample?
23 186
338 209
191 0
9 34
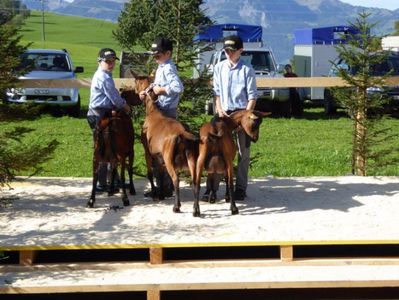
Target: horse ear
134 74
262 114
252 116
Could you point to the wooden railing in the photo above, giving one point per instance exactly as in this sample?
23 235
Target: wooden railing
261 82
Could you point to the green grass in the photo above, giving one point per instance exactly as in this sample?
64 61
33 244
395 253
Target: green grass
311 146
82 37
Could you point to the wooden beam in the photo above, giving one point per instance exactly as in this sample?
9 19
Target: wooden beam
156 256
27 257
153 295
71 83
261 82
287 253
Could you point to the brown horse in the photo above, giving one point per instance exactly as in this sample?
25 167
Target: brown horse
217 150
113 143
166 142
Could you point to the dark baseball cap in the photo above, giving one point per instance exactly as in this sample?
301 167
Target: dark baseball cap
161 44
107 53
233 42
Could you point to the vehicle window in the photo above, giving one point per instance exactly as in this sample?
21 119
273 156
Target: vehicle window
46 62
260 61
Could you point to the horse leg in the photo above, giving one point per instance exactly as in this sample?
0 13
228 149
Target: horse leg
112 169
148 161
132 190
197 181
175 179
227 195
92 199
125 198
230 179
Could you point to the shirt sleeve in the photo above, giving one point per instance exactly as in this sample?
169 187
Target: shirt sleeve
216 85
251 85
174 86
112 93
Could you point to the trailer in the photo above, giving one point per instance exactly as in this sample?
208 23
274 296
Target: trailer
390 43
314 51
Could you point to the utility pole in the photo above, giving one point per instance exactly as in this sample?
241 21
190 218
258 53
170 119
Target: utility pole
43 32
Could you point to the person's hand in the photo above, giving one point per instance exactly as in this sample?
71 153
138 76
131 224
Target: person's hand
221 113
158 90
142 95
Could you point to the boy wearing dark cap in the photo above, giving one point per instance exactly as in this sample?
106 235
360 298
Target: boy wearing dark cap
234 86
168 85
104 97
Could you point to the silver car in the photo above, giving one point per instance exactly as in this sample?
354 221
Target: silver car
48 64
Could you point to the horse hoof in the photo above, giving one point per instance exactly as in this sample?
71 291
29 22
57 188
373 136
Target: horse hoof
90 204
234 211
196 214
176 210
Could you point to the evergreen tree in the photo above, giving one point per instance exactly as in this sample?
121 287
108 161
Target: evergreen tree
15 155
396 28
362 55
141 21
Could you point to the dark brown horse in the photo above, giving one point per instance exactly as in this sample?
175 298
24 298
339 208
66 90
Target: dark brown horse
217 150
114 143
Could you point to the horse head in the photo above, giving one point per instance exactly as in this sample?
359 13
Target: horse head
250 121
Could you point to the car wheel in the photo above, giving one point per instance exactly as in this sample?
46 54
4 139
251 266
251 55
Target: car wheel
74 111
329 104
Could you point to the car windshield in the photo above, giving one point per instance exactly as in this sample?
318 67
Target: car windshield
260 60
45 62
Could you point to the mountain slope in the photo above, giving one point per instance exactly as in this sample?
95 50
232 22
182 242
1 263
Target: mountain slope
279 19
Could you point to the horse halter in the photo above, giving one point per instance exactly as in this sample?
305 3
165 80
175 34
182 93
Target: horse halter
149 89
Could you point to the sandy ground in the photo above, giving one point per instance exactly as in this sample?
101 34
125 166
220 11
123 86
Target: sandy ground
52 212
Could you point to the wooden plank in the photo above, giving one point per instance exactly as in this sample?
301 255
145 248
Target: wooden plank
153 295
27 257
261 82
197 245
72 278
72 83
287 253
156 256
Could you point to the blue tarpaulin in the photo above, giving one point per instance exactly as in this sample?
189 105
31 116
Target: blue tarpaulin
323 35
215 33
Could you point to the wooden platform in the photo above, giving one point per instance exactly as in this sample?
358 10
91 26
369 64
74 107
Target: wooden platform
291 233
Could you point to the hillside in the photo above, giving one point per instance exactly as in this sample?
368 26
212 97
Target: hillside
279 19
82 37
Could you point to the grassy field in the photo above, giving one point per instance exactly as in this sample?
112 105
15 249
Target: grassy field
311 146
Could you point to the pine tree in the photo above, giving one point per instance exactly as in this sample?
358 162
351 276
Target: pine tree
141 21
15 155
362 54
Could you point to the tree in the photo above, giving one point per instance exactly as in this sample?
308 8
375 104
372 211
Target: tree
396 28
362 55
141 21
11 8
15 155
